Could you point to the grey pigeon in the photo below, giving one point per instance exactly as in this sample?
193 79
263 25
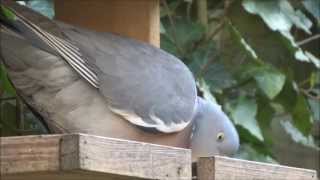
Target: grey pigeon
100 83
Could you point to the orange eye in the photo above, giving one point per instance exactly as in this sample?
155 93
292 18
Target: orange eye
220 137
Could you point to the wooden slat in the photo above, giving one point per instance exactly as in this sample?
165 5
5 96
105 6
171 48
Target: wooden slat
223 168
139 19
80 156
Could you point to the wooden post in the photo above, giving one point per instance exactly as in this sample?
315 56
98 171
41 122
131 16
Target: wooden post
223 168
139 19
82 157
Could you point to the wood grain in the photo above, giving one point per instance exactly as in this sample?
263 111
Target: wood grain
80 156
138 19
223 168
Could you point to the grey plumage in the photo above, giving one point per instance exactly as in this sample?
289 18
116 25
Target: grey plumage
119 66
90 82
140 79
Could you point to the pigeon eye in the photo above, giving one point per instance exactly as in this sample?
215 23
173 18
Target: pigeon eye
220 137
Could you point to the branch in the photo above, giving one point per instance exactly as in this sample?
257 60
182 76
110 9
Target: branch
227 4
174 32
7 98
189 6
308 94
217 30
203 12
305 41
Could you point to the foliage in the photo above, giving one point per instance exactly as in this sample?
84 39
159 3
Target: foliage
258 58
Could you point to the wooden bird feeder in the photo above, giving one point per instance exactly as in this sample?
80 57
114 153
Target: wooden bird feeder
84 157
88 157
139 19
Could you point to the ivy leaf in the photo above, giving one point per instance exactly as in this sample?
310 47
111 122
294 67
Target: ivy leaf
8 119
45 7
244 114
279 15
184 34
315 108
5 83
168 45
264 116
291 44
249 152
204 65
248 138
7 13
313 59
313 7
270 82
302 118
288 96
294 133
242 42
172 7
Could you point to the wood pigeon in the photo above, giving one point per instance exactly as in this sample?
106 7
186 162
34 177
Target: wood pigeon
83 81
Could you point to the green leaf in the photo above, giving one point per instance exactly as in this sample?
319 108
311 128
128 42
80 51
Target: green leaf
292 46
302 118
8 119
313 59
313 7
168 45
44 7
314 78
172 7
244 114
315 108
264 116
8 13
279 15
204 65
5 83
296 134
288 96
248 138
242 42
248 152
184 34
270 82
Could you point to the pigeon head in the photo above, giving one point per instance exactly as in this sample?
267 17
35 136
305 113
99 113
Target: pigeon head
213 133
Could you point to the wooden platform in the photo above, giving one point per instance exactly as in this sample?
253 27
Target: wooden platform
80 157
224 168
88 157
